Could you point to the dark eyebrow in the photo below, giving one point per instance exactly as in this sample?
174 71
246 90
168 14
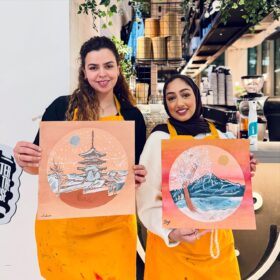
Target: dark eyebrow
109 62
185 89
170 92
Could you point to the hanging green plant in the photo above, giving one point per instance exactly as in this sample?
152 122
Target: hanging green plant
253 11
102 10
123 51
105 9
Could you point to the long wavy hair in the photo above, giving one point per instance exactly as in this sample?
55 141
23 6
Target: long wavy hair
84 97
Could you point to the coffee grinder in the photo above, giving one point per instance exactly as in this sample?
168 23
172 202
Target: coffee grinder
253 85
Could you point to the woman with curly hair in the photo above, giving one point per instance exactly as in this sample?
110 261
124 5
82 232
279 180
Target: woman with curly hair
95 247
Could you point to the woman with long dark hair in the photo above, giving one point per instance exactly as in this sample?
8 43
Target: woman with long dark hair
98 247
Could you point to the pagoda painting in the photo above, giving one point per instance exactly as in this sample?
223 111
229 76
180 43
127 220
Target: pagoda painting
91 177
86 169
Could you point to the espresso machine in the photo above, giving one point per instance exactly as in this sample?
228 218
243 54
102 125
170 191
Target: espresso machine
268 109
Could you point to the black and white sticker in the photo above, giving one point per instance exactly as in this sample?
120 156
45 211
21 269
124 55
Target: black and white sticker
9 184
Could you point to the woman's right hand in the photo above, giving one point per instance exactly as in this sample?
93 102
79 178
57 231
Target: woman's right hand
27 156
186 235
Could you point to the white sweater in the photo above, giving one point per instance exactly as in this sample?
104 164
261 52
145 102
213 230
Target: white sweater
149 196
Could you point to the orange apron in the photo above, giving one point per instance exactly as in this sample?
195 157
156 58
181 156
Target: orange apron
97 248
191 261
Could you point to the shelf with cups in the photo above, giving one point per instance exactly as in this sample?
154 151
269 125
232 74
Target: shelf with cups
213 39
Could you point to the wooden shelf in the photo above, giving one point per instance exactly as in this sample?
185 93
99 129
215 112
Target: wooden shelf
168 63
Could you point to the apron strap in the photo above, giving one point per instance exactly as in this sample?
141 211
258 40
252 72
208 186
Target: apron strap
173 132
171 129
75 116
214 239
118 106
214 131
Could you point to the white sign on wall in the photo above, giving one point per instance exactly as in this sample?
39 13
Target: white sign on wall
9 184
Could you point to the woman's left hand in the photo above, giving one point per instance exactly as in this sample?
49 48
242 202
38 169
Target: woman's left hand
140 173
253 164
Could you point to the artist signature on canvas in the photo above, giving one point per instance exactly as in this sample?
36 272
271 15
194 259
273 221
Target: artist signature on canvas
166 222
46 216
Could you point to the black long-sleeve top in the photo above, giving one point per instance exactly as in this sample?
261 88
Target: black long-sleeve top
57 109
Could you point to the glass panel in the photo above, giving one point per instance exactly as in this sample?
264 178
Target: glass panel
220 61
265 65
252 61
277 67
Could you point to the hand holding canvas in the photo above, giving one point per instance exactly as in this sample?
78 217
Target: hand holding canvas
28 156
253 164
140 173
186 235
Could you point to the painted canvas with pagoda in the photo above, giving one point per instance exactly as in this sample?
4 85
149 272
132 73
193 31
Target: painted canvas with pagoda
86 166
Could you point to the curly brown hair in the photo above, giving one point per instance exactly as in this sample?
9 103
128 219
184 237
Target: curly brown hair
84 98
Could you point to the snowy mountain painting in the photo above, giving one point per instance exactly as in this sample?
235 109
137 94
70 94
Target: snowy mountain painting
210 194
198 186
206 184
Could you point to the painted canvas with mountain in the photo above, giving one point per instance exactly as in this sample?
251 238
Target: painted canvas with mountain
207 184
86 169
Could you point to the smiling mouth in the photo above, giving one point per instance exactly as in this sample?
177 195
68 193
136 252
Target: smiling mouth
103 83
181 111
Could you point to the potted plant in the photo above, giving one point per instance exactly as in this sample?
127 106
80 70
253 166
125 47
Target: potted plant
123 51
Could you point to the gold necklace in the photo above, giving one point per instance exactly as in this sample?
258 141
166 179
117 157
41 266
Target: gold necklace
107 107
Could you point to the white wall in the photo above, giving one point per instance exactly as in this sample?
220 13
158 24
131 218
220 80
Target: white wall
80 31
236 60
34 69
